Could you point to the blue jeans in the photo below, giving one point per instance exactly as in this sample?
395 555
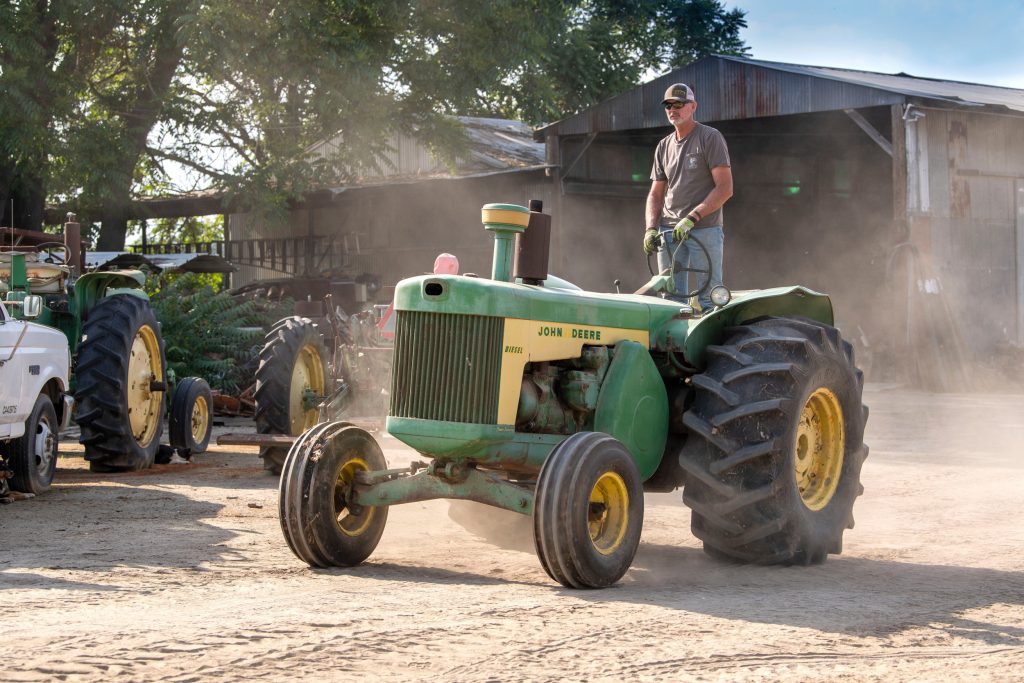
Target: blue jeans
692 256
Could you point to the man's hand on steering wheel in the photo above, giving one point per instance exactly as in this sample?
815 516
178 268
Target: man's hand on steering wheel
684 226
651 240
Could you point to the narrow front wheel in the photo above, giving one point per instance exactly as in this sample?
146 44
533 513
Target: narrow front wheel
588 511
320 516
190 422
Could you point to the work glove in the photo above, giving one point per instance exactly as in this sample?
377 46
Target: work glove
683 228
650 240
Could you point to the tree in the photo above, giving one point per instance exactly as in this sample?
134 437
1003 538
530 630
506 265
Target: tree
82 86
127 91
599 48
47 50
102 99
265 80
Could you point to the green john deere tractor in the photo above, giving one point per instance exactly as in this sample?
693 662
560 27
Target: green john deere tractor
322 363
526 393
120 379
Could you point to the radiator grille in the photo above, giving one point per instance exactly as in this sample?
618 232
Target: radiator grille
447 367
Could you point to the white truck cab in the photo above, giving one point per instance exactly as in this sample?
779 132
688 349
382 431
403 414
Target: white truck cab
34 403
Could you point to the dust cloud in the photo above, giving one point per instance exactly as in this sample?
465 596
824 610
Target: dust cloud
499 527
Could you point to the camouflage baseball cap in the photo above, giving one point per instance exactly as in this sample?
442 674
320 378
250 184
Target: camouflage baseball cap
678 92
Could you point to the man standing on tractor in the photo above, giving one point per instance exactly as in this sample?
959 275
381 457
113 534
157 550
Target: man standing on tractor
691 180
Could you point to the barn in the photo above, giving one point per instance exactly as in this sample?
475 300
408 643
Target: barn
903 197
392 225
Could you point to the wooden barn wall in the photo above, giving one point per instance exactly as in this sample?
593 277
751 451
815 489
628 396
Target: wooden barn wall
395 231
975 167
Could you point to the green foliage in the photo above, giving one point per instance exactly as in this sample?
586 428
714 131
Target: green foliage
211 334
187 230
265 80
104 101
586 51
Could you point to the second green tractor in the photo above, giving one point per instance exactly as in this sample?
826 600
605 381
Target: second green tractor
122 386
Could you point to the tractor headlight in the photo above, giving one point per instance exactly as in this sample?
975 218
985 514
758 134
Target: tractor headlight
720 295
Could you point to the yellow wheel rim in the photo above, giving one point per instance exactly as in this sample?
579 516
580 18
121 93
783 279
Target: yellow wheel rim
820 445
350 524
144 368
307 374
608 515
200 419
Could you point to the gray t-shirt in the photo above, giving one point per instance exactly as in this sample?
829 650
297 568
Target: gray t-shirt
686 165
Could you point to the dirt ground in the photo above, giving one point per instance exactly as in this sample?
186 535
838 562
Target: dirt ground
181 574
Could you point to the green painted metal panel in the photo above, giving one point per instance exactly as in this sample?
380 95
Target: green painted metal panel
484 444
19 273
460 295
780 301
633 406
466 295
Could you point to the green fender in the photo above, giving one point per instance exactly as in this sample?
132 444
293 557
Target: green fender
633 406
92 287
692 336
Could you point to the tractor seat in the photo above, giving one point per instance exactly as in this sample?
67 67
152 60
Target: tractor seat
43 278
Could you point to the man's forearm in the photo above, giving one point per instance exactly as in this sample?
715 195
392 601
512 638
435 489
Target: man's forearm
719 194
654 207
714 201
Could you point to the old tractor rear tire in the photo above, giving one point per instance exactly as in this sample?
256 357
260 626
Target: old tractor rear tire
190 422
292 361
120 377
33 457
776 443
321 524
588 511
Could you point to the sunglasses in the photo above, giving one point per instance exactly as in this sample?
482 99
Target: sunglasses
676 105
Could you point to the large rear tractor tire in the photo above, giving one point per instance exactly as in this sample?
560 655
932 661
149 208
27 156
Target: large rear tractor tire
322 524
121 381
33 457
190 422
293 363
776 443
588 511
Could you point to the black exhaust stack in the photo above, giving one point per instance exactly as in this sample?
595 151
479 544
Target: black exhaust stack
530 256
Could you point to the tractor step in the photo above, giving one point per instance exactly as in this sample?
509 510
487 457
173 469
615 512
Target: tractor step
255 440
370 424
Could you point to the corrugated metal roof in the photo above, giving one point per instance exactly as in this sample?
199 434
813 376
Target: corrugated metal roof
956 92
186 263
728 88
495 145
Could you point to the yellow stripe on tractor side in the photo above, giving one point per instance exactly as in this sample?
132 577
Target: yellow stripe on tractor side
535 340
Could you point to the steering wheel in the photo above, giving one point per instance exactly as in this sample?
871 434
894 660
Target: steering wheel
50 257
697 271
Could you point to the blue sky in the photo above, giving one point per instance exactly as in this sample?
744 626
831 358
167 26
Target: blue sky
979 41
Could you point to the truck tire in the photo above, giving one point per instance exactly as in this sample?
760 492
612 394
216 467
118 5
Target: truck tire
293 359
191 417
120 377
322 527
33 457
776 443
588 511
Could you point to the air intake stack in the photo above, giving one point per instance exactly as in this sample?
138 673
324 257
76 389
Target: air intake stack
505 221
